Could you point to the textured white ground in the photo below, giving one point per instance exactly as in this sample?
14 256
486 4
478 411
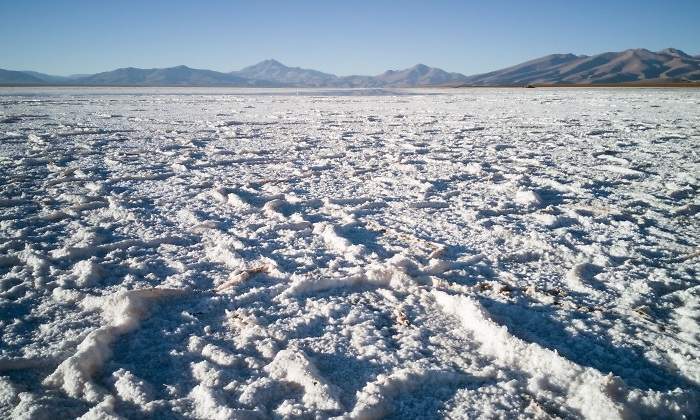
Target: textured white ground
412 254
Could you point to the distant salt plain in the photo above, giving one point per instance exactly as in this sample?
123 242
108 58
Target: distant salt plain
457 253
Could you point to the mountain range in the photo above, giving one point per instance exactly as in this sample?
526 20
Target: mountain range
633 65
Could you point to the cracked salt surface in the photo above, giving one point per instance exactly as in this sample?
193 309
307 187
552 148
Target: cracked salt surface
222 253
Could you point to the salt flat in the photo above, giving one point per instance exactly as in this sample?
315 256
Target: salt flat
221 253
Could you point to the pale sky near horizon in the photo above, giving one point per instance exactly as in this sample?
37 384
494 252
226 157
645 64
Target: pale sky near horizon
350 37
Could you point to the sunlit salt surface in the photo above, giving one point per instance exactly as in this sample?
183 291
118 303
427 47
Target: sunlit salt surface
231 253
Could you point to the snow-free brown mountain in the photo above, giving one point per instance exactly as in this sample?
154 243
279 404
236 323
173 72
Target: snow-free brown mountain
634 65
172 76
420 75
274 71
19 77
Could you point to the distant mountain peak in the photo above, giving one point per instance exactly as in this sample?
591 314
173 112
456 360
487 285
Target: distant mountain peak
566 55
675 52
273 62
420 75
273 70
270 63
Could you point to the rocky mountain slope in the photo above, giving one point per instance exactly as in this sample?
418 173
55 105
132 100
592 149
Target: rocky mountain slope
180 75
632 65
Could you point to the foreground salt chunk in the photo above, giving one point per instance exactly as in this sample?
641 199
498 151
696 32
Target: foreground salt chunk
528 198
294 365
31 407
123 311
8 392
336 242
587 390
393 273
131 388
375 400
87 273
102 411
208 405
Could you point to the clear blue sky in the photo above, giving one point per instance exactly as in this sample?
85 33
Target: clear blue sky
342 37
